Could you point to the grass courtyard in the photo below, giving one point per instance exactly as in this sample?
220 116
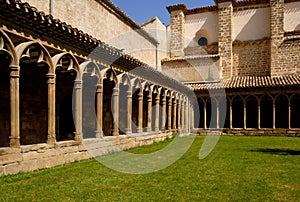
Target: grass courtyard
238 169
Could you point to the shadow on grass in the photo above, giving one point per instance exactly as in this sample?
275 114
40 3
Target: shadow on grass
278 151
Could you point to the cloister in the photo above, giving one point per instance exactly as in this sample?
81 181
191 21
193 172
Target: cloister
49 96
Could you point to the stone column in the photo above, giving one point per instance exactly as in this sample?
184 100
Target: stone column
128 129
149 118
245 115
99 110
225 14
140 113
115 97
258 118
182 116
78 109
170 113
174 114
289 114
187 121
51 138
14 107
178 114
218 115
163 114
177 25
230 114
274 114
157 112
276 34
204 112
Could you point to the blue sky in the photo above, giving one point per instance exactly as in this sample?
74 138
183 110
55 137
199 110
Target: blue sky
143 10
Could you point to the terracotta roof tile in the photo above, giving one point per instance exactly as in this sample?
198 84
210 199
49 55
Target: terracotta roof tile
240 82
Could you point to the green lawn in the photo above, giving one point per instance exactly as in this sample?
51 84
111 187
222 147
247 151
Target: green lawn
238 169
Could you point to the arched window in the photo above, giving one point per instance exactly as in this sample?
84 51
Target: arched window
202 41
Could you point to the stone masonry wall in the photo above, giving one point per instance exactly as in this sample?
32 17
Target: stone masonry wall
251 58
225 38
40 156
177 32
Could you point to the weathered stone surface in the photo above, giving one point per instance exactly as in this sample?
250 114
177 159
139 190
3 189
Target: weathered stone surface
10 158
12 169
29 165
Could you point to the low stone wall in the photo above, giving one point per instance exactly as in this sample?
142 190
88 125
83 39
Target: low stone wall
40 156
252 131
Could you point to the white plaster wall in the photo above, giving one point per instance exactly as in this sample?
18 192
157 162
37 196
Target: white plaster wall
159 31
92 18
206 21
292 16
251 24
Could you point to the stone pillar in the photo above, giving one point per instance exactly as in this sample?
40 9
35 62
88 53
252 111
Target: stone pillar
149 118
274 114
182 116
245 115
115 97
128 129
14 107
289 114
51 138
218 115
225 37
170 113
204 114
157 99
177 25
78 109
140 113
277 34
187 121
99 110
163 114
174 114
258 116
230 115
178 114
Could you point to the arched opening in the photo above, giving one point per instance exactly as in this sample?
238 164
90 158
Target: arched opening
211 113
266 112
202 41
123 106
251 112
199 117
89 88
282 112
135 108
224 112
5 60
108 86
65 78
237 112
295 111
33 98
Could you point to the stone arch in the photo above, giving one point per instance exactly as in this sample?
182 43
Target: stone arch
68 75
295 110
91 87
281 111
125 103
211 112
37 93
266 111
252 103
238 112
9 105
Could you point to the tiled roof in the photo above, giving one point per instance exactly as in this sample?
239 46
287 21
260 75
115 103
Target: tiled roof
244 82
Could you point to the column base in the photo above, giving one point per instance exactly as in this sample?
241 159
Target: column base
14 142
139 130
99 134
128 131
51 139
115 133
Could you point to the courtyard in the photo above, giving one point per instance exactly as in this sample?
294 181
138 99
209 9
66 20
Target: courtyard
245 168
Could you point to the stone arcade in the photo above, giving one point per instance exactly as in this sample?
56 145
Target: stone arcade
62 89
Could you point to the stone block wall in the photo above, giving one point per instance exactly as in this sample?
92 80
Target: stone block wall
177 33
225 37
40 156
251 58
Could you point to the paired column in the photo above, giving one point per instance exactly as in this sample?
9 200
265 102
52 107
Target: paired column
115 97
174 113
99 110
157 112
178 114
140 112
14 107
51 138
149 118
128 129
163 114
170 113
78 109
